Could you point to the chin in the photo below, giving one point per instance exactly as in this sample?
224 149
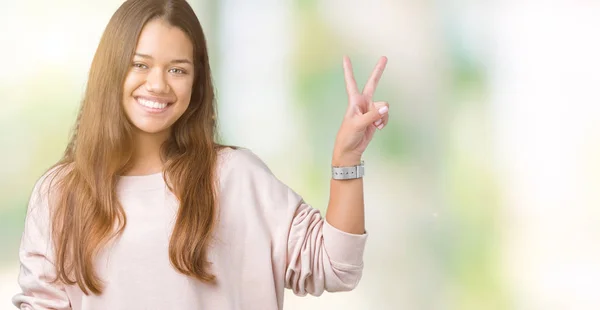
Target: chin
151 130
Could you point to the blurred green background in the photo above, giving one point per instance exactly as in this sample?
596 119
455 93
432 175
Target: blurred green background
482 190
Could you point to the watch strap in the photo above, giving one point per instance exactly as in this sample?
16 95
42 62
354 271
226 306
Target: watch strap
347 173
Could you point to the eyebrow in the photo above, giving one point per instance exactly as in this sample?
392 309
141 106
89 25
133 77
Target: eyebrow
174 61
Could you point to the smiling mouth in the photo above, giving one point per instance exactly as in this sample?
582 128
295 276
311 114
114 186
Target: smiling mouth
153 105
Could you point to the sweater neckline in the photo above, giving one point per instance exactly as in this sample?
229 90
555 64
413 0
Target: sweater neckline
141 182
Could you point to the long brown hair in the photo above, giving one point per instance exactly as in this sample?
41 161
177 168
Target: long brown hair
86 213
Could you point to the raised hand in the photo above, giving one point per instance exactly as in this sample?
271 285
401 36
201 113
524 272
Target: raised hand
362 117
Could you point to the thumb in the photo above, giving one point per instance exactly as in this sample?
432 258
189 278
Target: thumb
379 110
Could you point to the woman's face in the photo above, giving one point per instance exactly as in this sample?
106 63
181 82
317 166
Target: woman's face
158 86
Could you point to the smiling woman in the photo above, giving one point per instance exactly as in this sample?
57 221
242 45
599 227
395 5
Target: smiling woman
157 88
147 209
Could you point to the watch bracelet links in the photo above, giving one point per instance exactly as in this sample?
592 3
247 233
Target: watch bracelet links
348 173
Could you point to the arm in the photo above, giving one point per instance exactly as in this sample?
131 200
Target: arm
346 209
309 256
321 257
346 203
328 254
37 269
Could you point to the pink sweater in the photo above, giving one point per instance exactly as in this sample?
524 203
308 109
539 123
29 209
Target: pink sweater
268 239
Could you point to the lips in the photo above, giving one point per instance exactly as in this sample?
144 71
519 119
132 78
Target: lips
153 104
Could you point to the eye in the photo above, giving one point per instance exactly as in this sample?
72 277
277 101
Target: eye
139 65
177 71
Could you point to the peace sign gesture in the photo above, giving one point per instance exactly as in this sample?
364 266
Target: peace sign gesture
362 118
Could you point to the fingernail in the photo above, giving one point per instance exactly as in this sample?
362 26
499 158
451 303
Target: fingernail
383 110
380 126
378 122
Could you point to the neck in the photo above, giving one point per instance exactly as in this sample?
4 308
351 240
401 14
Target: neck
146 154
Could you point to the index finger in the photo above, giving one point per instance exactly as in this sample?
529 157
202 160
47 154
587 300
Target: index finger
371 85
351 87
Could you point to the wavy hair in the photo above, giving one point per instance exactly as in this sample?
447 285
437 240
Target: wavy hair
86 213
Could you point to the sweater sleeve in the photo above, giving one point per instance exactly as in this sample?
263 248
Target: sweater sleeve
319 256
37 268
309 254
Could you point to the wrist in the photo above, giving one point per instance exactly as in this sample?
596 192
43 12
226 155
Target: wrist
345 160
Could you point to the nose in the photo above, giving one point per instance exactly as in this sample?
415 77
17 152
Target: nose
156 82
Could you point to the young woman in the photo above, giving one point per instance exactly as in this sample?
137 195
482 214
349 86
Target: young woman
147 211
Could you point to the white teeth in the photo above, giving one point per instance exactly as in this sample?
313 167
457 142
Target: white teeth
152 104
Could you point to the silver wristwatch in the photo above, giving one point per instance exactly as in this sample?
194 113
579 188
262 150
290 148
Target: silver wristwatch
346 173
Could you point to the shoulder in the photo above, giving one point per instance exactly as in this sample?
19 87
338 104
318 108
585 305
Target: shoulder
245 176
241 161
243 168
48 184
43 197
53 176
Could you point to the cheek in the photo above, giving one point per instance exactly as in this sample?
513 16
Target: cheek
184 92
130 84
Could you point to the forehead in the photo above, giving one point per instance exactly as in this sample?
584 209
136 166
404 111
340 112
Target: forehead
164 42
